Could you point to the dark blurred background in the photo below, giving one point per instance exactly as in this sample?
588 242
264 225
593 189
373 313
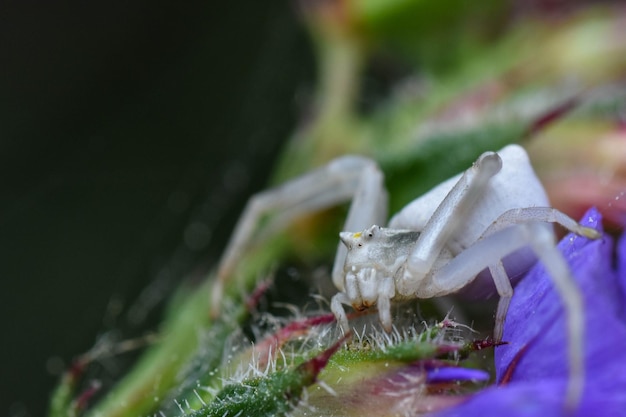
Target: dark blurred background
130 137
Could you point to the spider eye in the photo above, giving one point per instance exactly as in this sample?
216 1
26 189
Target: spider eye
359 245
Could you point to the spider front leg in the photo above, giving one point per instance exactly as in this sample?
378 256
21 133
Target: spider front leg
505 292
450 214
517 216
488 252
343 179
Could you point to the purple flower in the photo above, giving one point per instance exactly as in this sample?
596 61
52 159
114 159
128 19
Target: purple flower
535 360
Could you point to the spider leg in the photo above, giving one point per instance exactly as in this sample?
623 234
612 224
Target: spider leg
488 252
448 217
505 291
386 292
539 214
337 309
517 216
339 181
369 207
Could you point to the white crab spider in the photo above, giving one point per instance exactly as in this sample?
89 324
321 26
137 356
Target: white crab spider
437 245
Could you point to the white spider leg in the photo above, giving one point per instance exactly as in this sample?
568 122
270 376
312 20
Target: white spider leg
340 313
369 207
525 215
329 185
352 290
387 290
540 214
462 269
505 291
364 185
449 215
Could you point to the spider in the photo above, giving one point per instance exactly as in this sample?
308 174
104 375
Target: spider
492 220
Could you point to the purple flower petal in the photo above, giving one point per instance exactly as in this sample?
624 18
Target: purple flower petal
621 272
535 330
532 399
454 374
